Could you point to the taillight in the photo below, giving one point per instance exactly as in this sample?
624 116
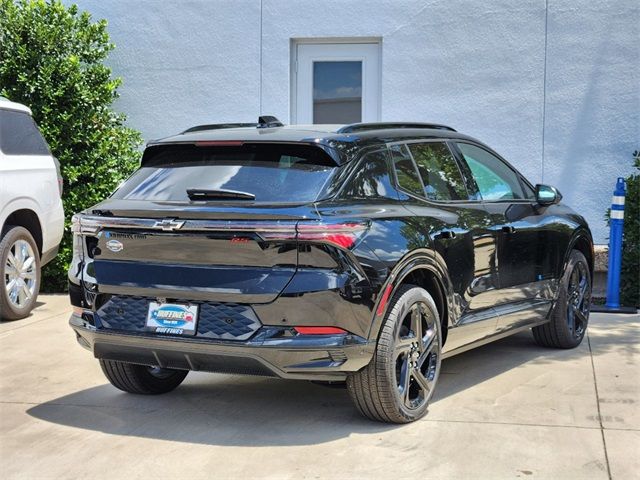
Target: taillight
343 235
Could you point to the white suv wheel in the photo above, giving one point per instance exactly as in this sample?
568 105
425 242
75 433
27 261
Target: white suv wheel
20 270
20 273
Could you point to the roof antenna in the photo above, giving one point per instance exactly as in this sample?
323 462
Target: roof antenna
268 121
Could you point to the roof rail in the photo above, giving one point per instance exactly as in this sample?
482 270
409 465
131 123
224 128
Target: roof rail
265 121
362 127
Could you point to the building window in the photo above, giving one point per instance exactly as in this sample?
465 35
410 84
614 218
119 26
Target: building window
336 83
337 92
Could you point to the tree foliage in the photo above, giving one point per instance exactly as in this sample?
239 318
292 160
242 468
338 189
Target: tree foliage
52 59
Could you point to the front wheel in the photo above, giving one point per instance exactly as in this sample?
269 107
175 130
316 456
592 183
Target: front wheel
141 379
399 381
570 316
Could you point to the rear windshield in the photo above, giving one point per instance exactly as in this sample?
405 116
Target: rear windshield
272 173
19 134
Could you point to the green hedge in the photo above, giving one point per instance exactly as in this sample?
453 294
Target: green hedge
51 59
630 284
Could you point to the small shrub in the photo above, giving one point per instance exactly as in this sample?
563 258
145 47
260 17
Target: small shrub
51 59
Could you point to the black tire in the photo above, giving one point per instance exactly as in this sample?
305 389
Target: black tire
570 315
379 389
141 379
14 307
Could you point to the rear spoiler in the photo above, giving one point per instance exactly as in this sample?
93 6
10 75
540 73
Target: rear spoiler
335 156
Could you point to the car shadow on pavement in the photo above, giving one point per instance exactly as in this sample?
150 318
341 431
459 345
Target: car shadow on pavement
253 411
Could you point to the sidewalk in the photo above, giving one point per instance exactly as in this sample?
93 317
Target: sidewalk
506 410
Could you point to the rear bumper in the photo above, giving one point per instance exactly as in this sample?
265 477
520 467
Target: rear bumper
304 357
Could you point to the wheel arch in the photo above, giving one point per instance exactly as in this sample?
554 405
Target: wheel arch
28 219
419 268
581 241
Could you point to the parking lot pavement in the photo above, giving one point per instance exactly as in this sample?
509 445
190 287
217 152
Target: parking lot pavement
506 410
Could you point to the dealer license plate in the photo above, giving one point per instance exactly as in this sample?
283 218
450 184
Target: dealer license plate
172 318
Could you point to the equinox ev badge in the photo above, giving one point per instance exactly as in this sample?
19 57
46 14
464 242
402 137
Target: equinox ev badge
169 224
114 245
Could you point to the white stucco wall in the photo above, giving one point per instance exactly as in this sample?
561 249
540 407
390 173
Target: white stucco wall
552 85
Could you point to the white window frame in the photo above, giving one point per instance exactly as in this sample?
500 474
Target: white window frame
372 109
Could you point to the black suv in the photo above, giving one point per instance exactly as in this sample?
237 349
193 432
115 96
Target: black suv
363 253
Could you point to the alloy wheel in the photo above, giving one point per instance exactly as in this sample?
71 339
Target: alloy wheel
579 296
20 273
416 356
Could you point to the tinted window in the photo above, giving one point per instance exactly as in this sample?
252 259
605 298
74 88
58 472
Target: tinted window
274 174
405 170
19 134
439 171
528 191
495 180
371 179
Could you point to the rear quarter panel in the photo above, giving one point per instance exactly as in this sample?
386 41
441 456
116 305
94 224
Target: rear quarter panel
30 182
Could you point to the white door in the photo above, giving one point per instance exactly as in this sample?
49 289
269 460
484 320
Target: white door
336 83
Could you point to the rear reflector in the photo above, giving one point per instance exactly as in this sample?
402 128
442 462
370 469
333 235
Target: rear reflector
320 330
383 301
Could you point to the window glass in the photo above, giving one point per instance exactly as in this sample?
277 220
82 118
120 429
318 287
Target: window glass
337 92
273 173
371 179
528 191
495 180
439 171
406 171
19 134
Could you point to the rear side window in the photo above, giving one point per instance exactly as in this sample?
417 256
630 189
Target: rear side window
405 169
271 173
439 171
495 179
19 134
370 179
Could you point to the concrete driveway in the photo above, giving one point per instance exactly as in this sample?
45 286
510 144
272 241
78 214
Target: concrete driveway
506 410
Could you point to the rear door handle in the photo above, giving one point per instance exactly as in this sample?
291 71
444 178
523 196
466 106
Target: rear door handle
508 229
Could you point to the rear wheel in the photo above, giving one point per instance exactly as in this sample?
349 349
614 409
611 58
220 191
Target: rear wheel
398 383
570 315
20 269
142 379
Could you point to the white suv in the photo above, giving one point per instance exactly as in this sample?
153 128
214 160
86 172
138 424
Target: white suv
31 215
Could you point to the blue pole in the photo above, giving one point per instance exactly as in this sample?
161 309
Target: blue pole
616 222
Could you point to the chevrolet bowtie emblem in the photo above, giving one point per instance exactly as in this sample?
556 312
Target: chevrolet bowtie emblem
169 224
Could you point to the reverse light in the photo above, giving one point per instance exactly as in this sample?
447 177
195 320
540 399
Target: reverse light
320 330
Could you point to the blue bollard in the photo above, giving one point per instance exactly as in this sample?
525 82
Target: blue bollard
616 222
616 225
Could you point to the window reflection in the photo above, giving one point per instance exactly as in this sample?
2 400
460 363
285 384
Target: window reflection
440 174
337 92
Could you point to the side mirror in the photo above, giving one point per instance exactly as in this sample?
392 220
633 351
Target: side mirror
547 195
